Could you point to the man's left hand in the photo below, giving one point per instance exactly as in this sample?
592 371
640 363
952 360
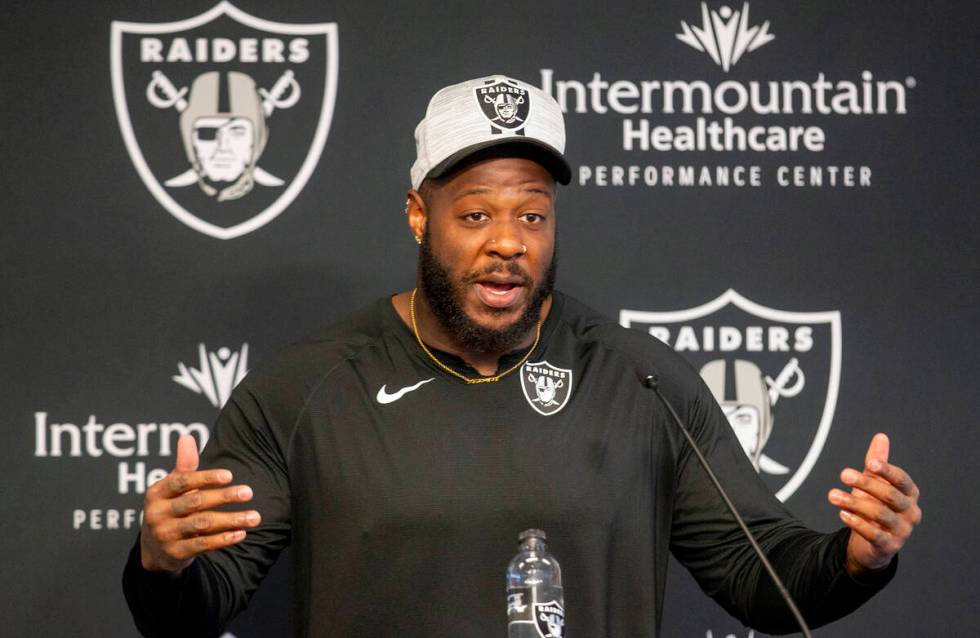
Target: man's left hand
881 509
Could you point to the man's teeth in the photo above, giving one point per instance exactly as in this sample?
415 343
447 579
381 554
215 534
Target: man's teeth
498 289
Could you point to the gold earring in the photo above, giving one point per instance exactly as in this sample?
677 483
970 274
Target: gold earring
418 240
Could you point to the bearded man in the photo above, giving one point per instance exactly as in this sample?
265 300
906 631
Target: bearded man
400 452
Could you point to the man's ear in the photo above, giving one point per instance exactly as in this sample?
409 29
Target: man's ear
417 214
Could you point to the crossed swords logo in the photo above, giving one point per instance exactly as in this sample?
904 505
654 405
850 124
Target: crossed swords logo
161 93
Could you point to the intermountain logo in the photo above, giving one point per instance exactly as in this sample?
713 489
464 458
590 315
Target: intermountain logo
725 35
217 373
759 362
720 130
224 115
132 450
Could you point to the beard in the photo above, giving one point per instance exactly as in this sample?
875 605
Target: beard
446 296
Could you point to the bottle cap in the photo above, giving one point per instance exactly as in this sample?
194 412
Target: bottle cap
532 533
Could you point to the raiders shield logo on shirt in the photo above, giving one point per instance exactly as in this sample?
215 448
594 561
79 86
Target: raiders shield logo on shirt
506 105
546 387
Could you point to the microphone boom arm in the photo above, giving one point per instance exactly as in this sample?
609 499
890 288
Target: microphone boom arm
651 382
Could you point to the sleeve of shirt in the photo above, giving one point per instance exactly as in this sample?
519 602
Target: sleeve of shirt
707 540
205 597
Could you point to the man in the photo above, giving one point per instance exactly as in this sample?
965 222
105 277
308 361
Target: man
402 451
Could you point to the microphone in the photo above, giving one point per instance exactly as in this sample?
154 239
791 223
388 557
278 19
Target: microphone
651 381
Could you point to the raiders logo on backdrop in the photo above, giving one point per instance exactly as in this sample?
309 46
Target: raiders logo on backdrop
505 104
546 387
224 115
758 363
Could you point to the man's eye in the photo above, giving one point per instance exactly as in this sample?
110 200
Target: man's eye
533 218
475 216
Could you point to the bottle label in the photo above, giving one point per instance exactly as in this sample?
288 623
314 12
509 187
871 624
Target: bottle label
547 617
519 605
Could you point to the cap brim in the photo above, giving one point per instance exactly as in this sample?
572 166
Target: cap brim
530 149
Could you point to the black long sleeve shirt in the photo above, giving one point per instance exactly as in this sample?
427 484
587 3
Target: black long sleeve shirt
403 508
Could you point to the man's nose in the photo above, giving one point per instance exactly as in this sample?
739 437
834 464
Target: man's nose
505 240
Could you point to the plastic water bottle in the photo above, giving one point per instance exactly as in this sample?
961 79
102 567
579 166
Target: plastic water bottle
535 605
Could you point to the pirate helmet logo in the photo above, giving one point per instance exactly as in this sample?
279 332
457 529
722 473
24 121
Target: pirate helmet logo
748 402
223 146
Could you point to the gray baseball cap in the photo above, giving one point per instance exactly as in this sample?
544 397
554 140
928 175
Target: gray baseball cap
468 117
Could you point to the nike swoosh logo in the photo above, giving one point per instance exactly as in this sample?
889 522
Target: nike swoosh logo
383 397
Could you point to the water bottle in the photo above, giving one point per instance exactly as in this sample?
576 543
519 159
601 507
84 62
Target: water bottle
535 606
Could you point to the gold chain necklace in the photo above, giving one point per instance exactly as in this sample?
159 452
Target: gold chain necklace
443 366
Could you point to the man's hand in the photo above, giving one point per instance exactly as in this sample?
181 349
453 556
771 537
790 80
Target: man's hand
179 521
881 509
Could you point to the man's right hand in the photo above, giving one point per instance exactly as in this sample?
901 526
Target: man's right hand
179 520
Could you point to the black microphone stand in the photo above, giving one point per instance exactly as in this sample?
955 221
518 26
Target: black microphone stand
651 382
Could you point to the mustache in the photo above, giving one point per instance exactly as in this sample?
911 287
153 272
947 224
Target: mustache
511 268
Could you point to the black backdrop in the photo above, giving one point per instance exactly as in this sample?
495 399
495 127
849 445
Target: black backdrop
106 291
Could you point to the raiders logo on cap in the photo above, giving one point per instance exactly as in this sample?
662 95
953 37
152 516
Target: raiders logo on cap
505 104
